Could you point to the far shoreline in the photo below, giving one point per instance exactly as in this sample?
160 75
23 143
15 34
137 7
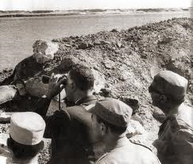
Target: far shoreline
44 13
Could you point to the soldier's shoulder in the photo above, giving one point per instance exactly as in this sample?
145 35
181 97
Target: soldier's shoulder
74 110
60 116
177 124
106 159
142 144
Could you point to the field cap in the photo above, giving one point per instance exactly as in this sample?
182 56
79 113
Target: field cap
27 128
43 48
113 111
171 84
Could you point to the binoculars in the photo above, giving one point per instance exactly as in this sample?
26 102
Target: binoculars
46 79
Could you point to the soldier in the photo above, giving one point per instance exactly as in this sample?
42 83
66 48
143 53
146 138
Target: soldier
69 127
25 141
18 84
175 137
110 120
43 52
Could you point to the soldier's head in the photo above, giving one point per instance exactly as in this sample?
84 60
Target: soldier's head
26 135
110 118
168 90
44 51
80 81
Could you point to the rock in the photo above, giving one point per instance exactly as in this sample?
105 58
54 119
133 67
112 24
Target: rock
105 92
66 64
67 45
132 102
97 42
135 128
114 30
84 46
6 70
7 93
159 115
108 64
99 81
119 44
104 42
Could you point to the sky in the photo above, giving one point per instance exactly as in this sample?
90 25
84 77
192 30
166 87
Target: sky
90 4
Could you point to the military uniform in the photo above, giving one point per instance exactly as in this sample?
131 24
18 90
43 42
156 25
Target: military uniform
120 150
6 157
126 152
175 142
69 130
24 70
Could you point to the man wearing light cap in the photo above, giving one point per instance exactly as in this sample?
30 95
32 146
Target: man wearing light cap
25 139
110 120
175 137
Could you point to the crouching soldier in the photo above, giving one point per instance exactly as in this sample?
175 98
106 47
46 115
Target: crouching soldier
25 139
110 120
25 80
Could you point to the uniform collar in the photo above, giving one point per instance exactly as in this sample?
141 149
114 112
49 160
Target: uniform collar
85 100
32 161
8 157
122 142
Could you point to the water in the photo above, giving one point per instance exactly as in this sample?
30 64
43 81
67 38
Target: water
18 34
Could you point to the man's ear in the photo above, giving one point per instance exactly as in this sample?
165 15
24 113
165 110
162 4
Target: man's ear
73 85
9 144
162 98
41 145
103 129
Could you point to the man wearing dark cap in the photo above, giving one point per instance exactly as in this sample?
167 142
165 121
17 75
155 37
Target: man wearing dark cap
110 120
175 137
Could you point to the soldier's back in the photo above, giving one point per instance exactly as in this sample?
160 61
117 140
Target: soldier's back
129 153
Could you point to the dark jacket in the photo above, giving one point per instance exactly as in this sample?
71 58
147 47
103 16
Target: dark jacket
69 130
24 70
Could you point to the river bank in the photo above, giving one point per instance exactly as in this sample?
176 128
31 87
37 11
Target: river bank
40 13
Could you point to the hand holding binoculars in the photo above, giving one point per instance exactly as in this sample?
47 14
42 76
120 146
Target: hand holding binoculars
46 79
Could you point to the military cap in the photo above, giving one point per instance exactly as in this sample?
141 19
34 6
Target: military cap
171 84
113 111
27 128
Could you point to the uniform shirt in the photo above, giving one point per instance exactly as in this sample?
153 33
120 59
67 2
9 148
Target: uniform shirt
126 152
6 157
69 130
175 141
185 112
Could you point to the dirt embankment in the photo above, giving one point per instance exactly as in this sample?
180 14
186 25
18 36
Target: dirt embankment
127 59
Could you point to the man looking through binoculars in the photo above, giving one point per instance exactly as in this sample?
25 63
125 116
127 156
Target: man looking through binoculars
68 127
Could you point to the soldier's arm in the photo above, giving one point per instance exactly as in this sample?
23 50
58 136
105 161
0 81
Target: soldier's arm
43 105
55 86
56 123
